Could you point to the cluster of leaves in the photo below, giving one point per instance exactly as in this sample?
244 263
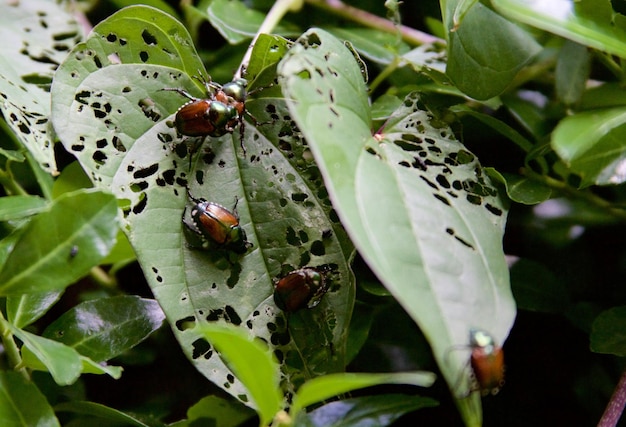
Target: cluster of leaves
334 160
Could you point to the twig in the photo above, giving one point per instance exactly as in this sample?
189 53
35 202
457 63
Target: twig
614 409
409 35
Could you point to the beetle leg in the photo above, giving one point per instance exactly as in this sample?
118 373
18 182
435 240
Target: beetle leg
181 92
193 199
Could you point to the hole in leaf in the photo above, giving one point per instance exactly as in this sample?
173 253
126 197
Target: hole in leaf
201 347
186 323
148 38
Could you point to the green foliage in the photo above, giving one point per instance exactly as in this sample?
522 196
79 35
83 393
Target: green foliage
358 134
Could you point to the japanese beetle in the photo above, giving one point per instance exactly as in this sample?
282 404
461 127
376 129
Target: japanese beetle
487 362
299 289
204 117
234 94
217 226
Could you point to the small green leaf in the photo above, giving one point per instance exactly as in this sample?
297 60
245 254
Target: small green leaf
375 45
321 388
44 258
497 125
608 332
589 23
22 404
486 52
593 145
91 367
61 361
102 412
521 189
22 310
610 94
72 178
379 410
252 363
104 328
268 50
460 10
237 23
384 106
19 207
572 72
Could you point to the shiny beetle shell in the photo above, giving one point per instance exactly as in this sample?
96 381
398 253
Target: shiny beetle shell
218 226
486 361
202 117
299 289
234 94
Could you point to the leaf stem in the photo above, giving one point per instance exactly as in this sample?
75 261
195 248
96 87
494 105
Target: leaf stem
408 34
610 64
105 280
568 190
10 184
386 72
10 347
615 408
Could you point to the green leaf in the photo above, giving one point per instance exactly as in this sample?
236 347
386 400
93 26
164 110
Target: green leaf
36 36
360 327
237 23
414 182
104 328
379 410
121 254
22 310
431 60
460 10
593 145
572 72
521 189
268 50
321 388
72 178
282 204
497 125
22 404
588 22
18 207
607 95
607 332
252 363
60 360
44 257
224 413
486 52
89 101
91 367
102 412
375 45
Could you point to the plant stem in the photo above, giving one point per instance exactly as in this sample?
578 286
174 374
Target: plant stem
10 347
384 74
409 35
10 185
614 409
589 197
103 279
